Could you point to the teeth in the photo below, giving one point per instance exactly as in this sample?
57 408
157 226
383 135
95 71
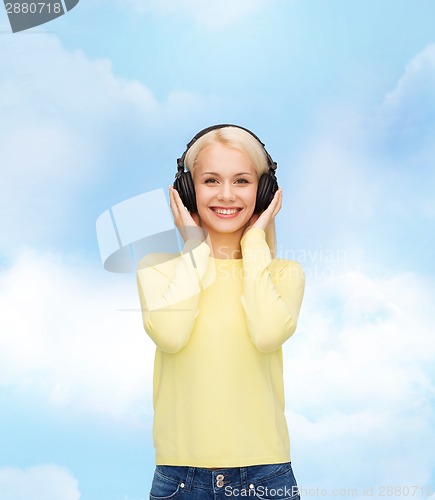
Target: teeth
226 211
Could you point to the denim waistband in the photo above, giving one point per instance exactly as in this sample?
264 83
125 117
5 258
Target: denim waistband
236 477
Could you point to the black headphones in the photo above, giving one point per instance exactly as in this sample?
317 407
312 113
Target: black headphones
267 184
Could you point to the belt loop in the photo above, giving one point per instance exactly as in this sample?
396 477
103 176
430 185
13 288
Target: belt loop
244 478
189 479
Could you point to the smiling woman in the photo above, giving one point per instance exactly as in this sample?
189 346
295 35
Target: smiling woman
236 152
219 314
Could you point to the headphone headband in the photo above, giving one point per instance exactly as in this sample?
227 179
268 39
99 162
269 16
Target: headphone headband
180 161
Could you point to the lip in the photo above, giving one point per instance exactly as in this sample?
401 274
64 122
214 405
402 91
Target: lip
226 216
225 208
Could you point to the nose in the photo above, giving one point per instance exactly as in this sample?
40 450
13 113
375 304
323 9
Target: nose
226 192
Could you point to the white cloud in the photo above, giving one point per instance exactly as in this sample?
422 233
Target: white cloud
360 450
406 118
58 110
360 382
368 340
57 107
214 15
415 85
64 118
65 336
335 189
358 372
368 172
43 482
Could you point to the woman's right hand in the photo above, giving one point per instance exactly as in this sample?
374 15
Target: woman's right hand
189 225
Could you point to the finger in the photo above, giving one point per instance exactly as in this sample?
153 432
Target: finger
180 209
267 216
184 218
172 203
278 202
178 214
172 194
270 209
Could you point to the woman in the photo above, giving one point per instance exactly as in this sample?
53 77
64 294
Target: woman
219 314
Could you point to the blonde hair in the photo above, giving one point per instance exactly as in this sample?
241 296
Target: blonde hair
236 138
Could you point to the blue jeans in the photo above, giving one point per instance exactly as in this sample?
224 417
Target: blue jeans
262 482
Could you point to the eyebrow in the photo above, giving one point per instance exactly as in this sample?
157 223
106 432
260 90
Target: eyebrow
218 175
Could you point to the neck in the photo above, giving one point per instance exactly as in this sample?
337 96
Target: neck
226 245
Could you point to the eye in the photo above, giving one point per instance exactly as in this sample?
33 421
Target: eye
212 180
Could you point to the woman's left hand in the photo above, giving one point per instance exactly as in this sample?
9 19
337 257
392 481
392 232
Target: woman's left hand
267 216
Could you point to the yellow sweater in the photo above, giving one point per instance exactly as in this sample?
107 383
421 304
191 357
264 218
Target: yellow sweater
219 325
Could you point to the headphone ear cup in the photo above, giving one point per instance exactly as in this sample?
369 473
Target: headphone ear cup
186 189
267 187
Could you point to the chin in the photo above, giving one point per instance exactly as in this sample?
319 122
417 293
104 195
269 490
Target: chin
224 228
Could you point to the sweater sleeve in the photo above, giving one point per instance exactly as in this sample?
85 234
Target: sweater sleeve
169 290
271 300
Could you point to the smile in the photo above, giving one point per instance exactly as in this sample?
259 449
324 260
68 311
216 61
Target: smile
225 212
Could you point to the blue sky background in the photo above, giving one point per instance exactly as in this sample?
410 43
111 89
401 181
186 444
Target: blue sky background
96 106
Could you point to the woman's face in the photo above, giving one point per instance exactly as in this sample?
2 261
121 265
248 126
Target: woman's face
226 188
